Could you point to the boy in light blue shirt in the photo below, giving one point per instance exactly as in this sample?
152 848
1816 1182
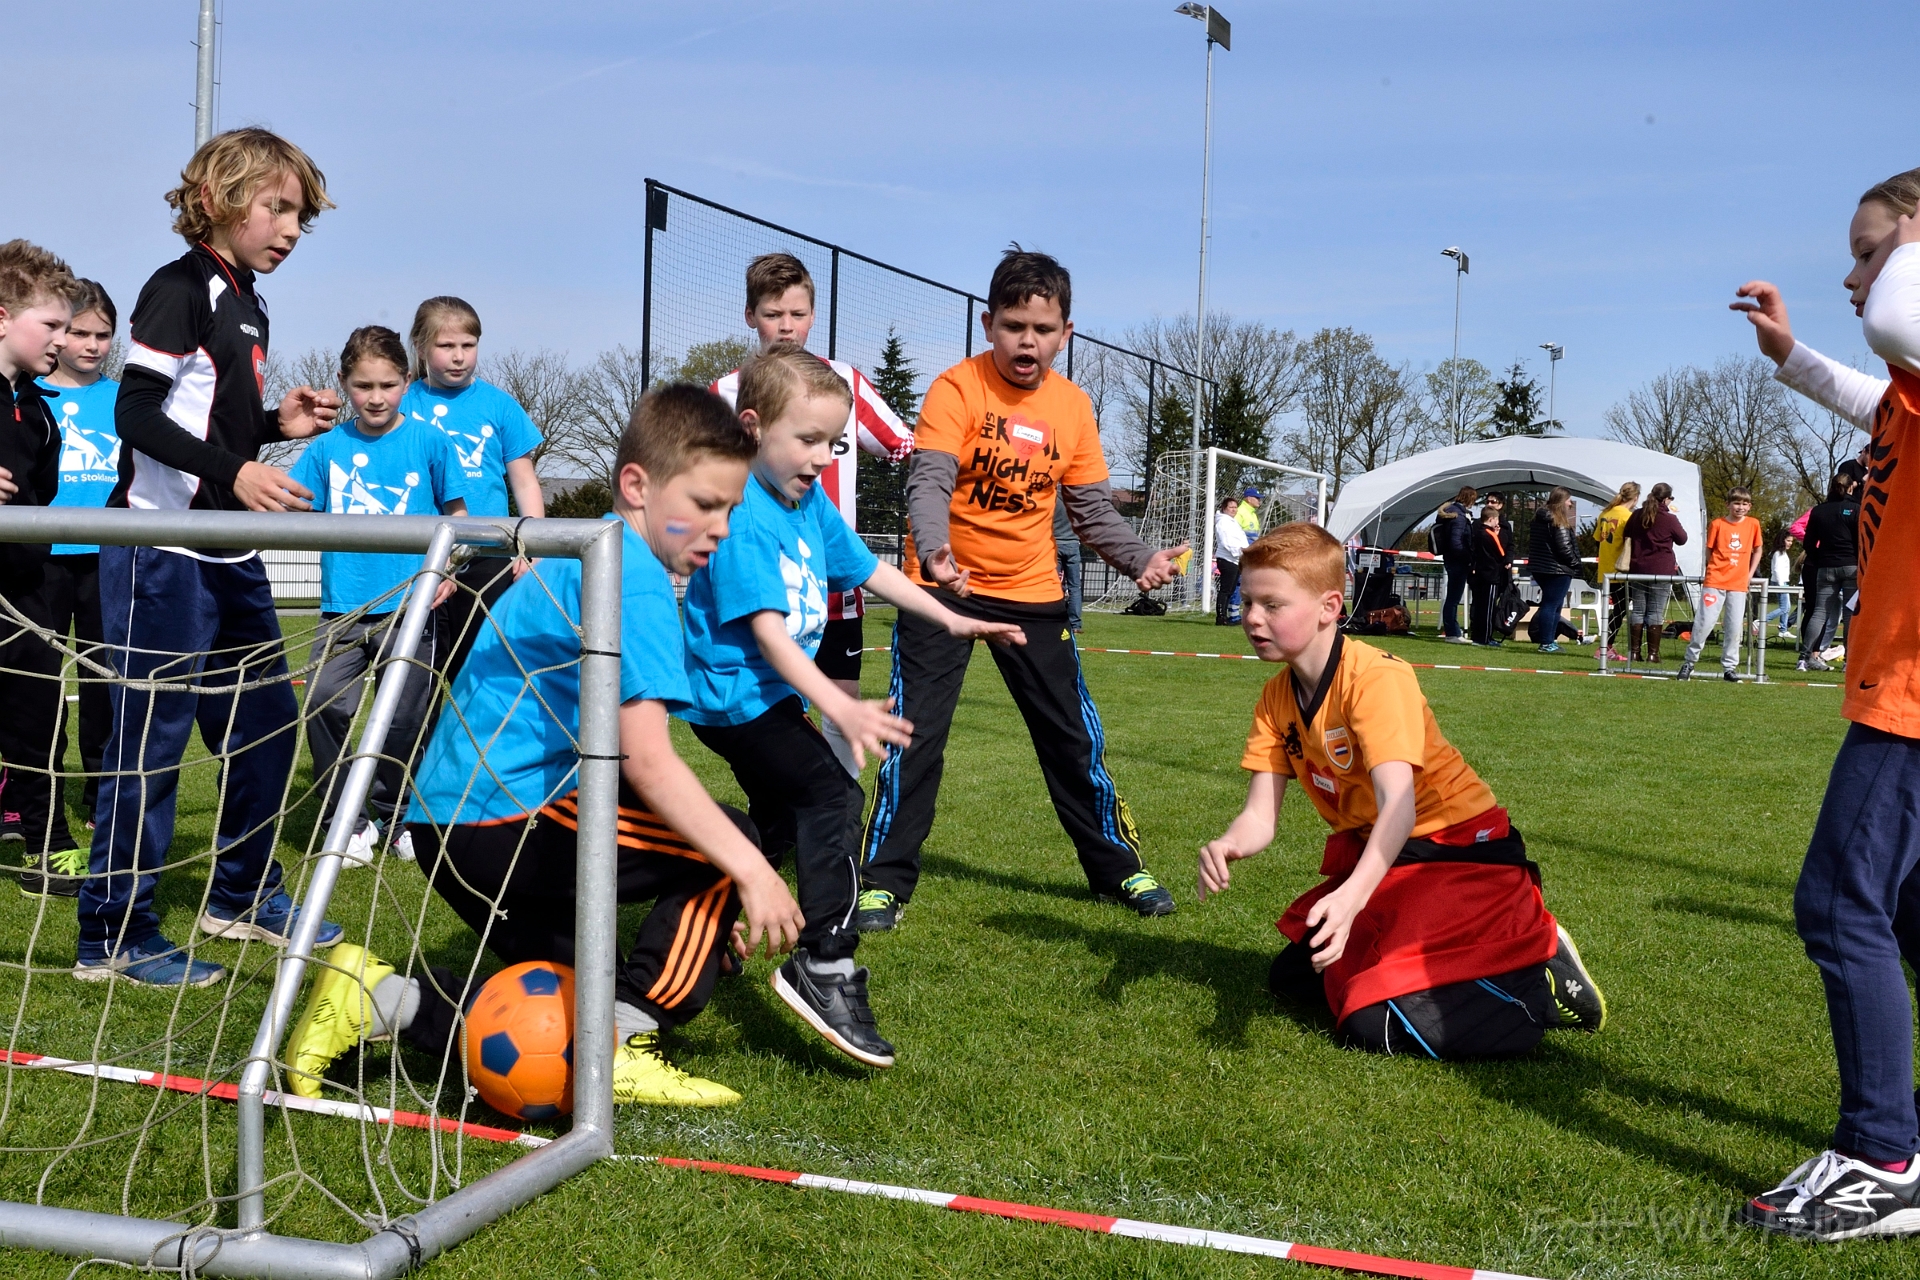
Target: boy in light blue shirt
754 618
377 463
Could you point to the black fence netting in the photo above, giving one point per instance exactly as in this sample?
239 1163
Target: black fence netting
899 328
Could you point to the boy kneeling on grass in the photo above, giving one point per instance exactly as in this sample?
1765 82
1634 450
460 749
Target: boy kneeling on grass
1429 935
495 814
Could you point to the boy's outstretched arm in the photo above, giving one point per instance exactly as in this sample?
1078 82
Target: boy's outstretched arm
1247 835
657 773
867 726
1334 914
897 589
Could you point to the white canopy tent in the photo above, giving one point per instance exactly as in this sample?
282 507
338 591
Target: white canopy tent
1383 505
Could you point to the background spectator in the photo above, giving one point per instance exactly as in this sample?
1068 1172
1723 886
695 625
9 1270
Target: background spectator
1492 570
1830 570
1453 539
1610 533
1652 534
1229 540
1553 558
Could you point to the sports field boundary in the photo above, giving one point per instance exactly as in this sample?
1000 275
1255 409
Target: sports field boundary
1100 1224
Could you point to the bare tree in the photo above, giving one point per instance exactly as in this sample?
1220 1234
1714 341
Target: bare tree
1341 396
1460 400
1813 444
610 389
545 387
1389 421
1743 422
1660 416
1261 363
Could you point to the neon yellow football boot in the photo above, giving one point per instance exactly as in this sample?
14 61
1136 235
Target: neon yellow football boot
641 1074
338 1015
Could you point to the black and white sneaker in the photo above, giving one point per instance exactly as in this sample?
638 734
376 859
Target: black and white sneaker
834 1006
1685 672
1835 1197
1576 996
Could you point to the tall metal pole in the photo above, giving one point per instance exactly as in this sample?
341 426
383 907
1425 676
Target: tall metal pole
1196 517
1554 351
1457 424
203 87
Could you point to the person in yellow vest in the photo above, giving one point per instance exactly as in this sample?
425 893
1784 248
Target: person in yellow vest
1610 531
1249 513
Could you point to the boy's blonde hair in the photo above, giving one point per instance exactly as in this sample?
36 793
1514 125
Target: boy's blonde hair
1901 192
29 276
231 168
770 381
433 315
1313 556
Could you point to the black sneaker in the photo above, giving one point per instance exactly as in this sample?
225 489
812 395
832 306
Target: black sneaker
1729 677
877 911
1685 672
1835 1197
55 874
1144 894
834 1006
10 828
1576 996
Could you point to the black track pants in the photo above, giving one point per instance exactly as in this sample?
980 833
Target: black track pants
33 739
1497 1017
1043 675
513 884
800 798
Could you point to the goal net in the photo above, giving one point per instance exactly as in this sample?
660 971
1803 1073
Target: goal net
1184 495
161 1126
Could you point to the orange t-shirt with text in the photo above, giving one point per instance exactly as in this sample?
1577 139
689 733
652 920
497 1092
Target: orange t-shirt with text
1016 448
1373 713
1883 640
1730 551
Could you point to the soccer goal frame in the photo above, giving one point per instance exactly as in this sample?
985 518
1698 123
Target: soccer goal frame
249 1249
1213 502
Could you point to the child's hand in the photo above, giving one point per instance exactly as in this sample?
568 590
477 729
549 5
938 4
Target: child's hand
305 412
1161 569
7 487
1214 857
444 592
520 566
869 726
263 488
770 912
976 629
947 572
1334 915
1768 312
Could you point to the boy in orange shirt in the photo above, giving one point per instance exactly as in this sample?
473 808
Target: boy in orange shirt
1429 935
1002 438
1733 554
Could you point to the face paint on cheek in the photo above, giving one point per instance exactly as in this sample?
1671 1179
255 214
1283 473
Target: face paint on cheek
679 528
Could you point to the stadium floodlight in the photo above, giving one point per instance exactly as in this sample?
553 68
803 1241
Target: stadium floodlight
1459 257
1219 32
1554 351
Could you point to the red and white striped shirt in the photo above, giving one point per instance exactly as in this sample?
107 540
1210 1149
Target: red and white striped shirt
872 426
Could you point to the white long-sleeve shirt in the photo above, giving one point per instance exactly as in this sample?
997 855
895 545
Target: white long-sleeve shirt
1229 539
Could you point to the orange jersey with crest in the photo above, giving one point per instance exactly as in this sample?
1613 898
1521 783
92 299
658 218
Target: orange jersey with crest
1373 712
1883 640
1730 548
1016 448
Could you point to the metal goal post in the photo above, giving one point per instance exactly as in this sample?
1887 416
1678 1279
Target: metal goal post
1318 479
249 1249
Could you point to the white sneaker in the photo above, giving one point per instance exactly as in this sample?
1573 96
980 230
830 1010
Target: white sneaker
359 851
403 847
1456 640
1834 654
1784 634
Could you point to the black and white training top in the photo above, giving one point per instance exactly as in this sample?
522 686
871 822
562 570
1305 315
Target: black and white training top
189 412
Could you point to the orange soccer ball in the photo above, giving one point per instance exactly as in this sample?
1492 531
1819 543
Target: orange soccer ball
519 1041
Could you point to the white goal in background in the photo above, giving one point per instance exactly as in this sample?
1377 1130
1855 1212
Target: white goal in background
1186 489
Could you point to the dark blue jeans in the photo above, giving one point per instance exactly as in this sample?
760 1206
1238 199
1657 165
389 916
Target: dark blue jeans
1857 908
1545 627
1459 572
171 618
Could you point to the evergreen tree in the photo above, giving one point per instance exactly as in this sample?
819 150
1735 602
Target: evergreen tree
1170 429
1517 409
883 484
1237 424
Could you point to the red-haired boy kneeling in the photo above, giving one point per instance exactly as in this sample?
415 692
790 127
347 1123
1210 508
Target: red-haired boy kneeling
1429 935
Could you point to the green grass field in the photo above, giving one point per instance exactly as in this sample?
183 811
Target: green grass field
1058 1051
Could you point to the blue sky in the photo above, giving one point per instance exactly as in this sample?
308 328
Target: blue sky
1614 170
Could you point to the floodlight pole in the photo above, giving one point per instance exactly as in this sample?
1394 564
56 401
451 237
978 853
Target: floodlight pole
1220 32
1459 269
203 81
1554 351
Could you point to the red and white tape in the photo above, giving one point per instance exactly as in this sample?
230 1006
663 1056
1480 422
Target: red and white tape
1164 1233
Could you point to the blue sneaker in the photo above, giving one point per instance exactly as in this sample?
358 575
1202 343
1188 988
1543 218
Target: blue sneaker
153 963
272 921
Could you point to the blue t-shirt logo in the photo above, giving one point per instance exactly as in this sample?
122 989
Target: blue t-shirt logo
350 494
83 451
472 449
806 599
